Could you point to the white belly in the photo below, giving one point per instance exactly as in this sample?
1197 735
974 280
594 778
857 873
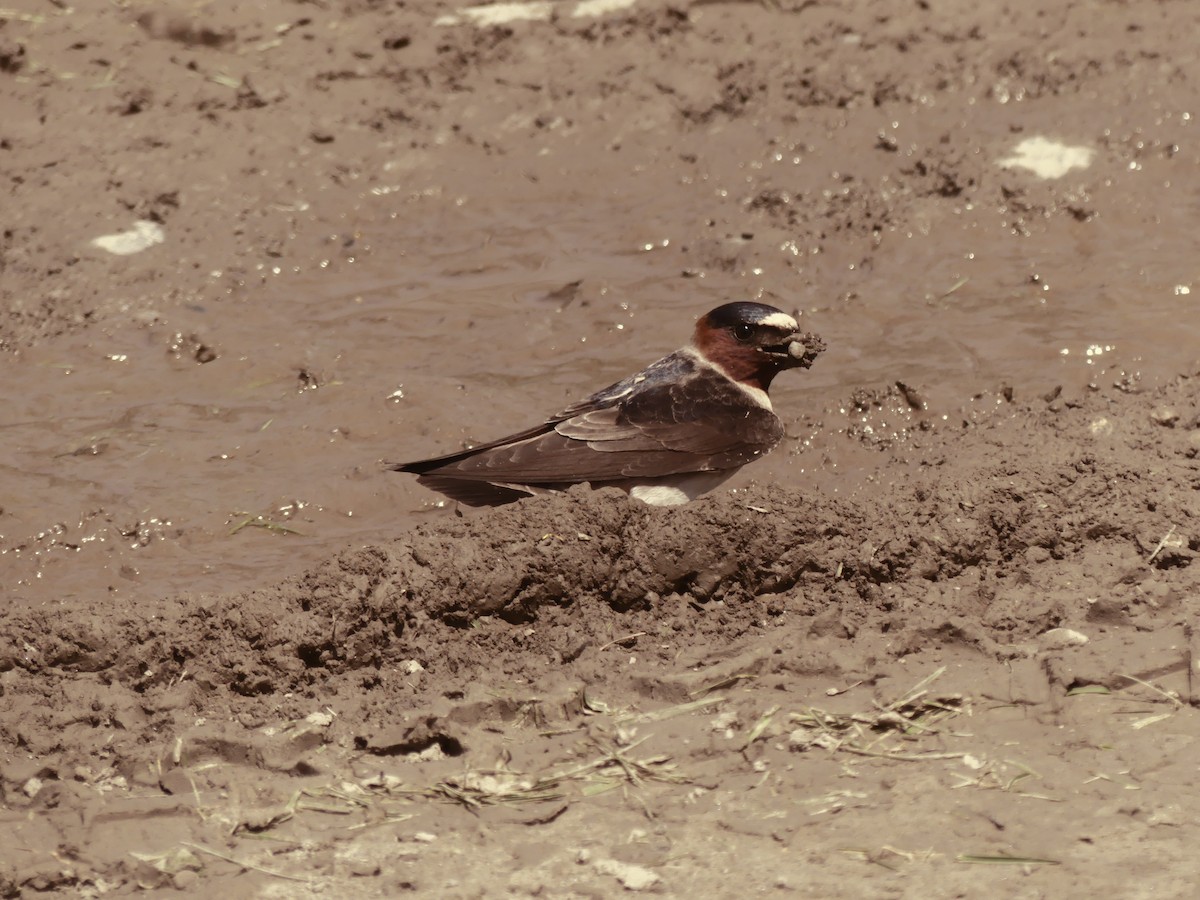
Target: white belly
679 489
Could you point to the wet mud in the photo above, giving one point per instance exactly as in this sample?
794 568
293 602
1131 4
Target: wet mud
940 642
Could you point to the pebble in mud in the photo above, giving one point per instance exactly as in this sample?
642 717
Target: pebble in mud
1058 638
632 877
1164 415
184 880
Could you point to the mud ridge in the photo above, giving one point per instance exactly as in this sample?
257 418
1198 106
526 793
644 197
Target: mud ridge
882 560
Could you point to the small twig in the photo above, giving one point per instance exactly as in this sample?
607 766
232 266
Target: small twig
907 757
252 521
722 684
247 865
1173 700
658 715
1011 860
31 18
600 763
621 640
917 690
954 287
1161 544
1188 661
321 808
629 768
763 723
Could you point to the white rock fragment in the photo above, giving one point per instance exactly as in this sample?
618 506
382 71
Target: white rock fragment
1164 415
486 16
496 784
632 878
1172 814
725 723
499 14
593 9
320 719
142 236
802 739
1057 638
1046 158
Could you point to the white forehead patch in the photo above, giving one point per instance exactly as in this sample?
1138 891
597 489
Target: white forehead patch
779 320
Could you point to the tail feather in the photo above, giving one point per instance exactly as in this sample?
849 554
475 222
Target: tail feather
472 493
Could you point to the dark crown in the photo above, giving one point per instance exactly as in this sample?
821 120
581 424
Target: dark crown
741 313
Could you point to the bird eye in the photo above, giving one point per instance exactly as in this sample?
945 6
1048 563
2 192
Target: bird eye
743 332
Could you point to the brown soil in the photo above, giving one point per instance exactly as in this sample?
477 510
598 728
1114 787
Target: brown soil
941 644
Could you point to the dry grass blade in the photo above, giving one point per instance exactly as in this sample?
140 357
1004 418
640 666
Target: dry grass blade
760 727
881 857
375 800
669 712
999 859
1151 720
346 806
16 15
1160 696
954 287
275 873
655 768
722 684
249 520
911 715
905 757
622 639
615 765
1158 549
474 797
916 691
1169 697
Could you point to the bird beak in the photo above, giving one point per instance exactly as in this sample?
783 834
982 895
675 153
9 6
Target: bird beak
797 350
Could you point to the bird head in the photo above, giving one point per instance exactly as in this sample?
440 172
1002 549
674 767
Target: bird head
753 342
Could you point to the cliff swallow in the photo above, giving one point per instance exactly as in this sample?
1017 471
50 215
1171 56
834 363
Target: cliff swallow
666 435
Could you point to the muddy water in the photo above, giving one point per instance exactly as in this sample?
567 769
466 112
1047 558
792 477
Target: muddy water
133 462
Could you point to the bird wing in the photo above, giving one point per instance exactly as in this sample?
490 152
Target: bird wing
676 416
701 423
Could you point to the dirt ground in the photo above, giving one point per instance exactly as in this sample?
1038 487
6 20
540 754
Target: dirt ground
942 643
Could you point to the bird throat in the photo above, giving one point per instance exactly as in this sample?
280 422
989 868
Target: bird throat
739 362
